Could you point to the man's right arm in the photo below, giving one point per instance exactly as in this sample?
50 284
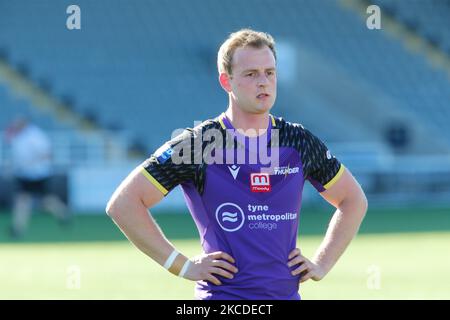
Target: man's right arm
128 208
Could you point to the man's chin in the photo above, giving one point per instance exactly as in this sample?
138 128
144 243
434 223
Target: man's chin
262 109
257 109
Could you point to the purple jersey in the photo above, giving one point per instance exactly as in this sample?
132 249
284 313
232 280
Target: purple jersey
242 203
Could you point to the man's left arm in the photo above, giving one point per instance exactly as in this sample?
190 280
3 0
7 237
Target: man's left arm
347 196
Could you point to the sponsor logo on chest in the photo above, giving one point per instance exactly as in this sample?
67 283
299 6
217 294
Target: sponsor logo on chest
260 182
279 171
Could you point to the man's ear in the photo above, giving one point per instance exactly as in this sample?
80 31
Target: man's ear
224 80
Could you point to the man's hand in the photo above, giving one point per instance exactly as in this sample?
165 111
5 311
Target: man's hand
205 265
307 269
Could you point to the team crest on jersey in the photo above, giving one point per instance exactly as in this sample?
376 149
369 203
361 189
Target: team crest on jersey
260 182
163 153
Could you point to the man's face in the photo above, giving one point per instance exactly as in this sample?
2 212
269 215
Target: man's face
253 81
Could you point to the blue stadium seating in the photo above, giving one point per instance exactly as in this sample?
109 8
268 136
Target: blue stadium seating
149 66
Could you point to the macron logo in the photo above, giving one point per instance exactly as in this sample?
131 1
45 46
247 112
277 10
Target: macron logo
234 170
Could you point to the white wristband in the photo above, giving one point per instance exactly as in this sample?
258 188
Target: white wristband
171 259
184 269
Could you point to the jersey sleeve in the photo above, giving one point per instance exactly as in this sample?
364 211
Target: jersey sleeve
320 167
173 163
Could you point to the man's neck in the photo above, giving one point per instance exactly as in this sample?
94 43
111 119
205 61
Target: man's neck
247 123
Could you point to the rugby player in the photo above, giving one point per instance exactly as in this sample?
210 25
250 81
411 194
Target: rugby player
242 174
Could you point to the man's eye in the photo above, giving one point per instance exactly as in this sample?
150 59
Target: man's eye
250 74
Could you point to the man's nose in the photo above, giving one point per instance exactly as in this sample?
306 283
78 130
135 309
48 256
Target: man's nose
263 80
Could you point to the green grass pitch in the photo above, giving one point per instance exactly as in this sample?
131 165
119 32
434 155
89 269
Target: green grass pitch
398 254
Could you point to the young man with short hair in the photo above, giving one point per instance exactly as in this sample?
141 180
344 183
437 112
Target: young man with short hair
242 175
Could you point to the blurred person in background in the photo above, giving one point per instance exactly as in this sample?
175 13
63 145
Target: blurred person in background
31 157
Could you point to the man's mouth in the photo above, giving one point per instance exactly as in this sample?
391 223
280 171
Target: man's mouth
262 95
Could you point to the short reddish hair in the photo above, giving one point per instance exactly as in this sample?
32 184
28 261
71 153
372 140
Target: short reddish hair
239 39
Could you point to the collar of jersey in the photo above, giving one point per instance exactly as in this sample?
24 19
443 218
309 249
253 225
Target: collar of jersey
226 124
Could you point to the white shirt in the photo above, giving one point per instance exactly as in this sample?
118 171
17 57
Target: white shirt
31 150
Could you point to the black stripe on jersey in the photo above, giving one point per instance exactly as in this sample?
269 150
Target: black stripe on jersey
317 163
313 153
169 174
